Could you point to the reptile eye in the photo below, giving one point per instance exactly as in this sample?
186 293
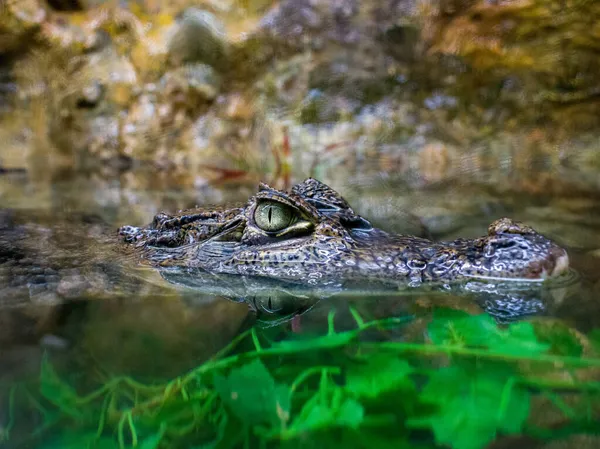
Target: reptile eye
272 216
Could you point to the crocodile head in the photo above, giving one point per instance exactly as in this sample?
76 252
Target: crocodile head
312 236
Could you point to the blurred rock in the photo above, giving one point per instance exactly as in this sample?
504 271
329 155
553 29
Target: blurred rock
389 86
190 86
200 37
18 21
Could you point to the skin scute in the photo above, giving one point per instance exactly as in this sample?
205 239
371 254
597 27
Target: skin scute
325 239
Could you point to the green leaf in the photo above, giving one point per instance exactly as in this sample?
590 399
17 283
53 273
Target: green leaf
381 373
456 427
252 395
58 392
315 343
350 413
444 385
317 415
471 407
519 339
481 331
516 409
453 327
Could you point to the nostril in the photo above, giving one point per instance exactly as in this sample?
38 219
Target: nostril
506 244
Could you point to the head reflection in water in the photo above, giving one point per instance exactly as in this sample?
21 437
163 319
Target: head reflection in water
276 302
273 302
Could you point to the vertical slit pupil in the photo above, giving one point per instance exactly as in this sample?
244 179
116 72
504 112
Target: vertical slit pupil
270 214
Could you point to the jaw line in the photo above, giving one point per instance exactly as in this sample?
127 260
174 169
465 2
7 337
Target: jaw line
560 266
506 279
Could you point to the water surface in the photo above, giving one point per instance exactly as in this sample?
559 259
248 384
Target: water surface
68 294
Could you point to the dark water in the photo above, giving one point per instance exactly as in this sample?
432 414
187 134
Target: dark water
67 293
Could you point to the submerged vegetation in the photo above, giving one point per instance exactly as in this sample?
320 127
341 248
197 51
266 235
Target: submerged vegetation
467 383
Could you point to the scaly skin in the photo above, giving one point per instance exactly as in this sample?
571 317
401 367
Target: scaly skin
336 245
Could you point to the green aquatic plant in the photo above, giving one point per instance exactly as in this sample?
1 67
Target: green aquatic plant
468 382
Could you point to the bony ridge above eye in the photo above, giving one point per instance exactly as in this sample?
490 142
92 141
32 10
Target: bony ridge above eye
272 216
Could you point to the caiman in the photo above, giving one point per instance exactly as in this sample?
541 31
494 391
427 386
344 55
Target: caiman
312 236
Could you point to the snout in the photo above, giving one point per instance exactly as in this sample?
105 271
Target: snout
508 256
555 264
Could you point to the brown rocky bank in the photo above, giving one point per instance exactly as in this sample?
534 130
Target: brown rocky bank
432 90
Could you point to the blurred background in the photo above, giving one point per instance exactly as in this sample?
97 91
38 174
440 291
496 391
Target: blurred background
192 95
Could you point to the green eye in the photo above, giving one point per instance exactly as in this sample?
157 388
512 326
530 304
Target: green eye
271 216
